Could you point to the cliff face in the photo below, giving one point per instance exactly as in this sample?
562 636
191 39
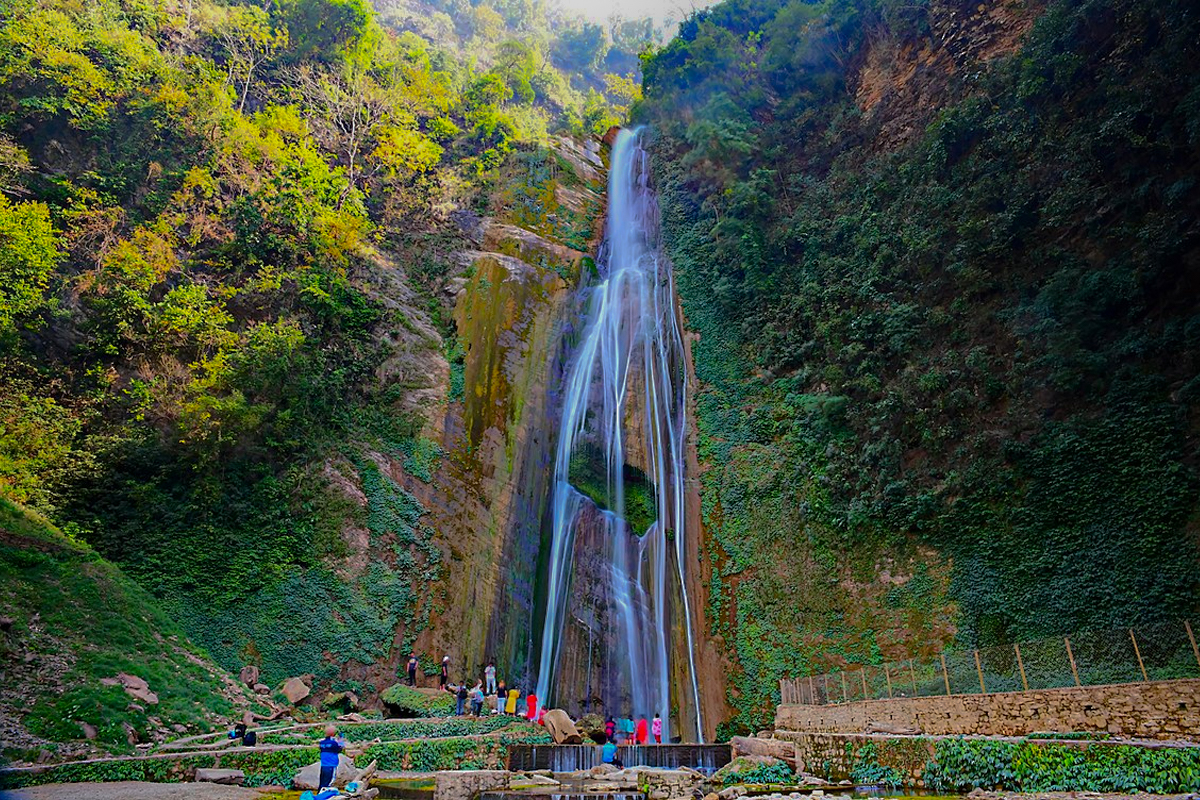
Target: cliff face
938 329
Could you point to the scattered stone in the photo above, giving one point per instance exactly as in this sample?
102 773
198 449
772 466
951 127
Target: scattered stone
225 777
731 792
308 777
560 726
130 734
601 770
44 756
262 688
352 717
89 730
249 675
711 796
295 690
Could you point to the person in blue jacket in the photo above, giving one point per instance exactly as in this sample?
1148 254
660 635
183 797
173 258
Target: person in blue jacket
609 755
331 747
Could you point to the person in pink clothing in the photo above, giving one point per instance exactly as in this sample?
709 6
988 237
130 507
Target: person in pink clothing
656 728
642 736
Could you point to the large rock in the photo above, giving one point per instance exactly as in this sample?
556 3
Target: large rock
249 675
307 778
560 726
227 777
134 686
346 701
465 784
295 690
772 748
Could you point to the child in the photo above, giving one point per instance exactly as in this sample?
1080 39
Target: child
656 728
331 748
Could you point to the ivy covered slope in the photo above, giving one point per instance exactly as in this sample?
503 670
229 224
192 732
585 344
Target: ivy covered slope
77 619
942 261
225 234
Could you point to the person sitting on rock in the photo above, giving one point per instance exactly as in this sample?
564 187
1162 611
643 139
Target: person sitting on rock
609 755
331 748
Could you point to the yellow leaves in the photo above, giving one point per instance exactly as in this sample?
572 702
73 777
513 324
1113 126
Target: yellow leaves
406 151
138 263
337 235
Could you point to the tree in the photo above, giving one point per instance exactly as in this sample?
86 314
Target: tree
322 30
249 42
28 254
581 47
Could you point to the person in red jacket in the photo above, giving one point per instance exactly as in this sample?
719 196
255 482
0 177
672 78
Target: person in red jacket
643 731
531 706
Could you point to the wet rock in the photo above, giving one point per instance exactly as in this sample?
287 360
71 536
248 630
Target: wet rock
772 748
465 784
295 690
225 777
249 675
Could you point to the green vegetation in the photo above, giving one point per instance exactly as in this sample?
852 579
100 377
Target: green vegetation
951 338
406 701
961 765
77 619
743 771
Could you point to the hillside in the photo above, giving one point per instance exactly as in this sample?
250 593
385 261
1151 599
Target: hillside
74 620
941 262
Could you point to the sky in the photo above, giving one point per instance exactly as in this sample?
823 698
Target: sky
662 11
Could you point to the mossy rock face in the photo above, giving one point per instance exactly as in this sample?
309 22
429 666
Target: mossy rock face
587 475
406 701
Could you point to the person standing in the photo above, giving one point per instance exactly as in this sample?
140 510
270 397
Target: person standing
531 706
444 677
412 669
460 707
477 700
510 707
656 728
610 730
489 675
331 748
643 731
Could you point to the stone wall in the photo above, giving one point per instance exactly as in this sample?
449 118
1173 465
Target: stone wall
1156 710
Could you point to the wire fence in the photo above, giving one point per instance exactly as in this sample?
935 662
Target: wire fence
1155 652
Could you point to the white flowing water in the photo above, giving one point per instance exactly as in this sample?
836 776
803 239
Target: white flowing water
629 369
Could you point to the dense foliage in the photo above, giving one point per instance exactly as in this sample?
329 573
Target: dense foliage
946 314
962 764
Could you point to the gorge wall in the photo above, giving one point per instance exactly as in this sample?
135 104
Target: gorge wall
945 382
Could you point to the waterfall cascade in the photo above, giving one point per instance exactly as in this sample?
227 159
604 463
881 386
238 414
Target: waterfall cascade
619 468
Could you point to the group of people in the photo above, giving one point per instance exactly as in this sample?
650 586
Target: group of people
626 731
487 692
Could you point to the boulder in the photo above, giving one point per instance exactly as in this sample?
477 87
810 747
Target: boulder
134 686
772 748
89 730
347 701
307 778
226 777
261 688
561 728
295 690
249 675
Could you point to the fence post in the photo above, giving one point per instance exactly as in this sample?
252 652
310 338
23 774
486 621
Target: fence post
888 675
782 690
812 692
945 673
912 673
1071 658
862 674
979 671
845 697
1138 652
825 681
1192 639
1021 666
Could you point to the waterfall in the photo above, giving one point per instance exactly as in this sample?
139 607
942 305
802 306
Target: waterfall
622 430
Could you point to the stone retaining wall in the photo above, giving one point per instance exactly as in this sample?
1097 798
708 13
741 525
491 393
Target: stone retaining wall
1155 710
